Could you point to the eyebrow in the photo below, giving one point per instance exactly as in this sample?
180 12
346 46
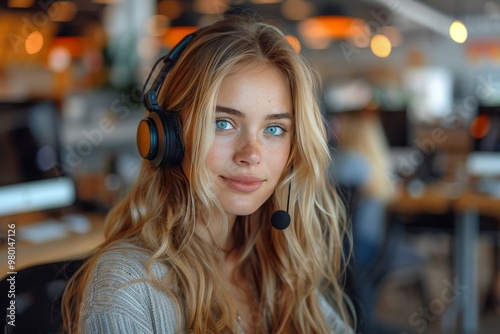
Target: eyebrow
238 113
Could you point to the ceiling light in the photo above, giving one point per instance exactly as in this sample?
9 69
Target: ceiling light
314 34
381 46
34 42
334 22
333 26
458 31
175 34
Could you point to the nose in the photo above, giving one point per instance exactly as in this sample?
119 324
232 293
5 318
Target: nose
248 152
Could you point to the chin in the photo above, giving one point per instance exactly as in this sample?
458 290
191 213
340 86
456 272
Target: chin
242 210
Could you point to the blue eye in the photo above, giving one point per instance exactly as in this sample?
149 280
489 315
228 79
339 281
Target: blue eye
222 124
275 130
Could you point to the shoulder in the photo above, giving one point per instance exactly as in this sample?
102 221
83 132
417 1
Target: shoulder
333 318
123 267
126 262
120 294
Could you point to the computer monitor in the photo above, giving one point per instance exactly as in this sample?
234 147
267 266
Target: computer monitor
396 127
30 179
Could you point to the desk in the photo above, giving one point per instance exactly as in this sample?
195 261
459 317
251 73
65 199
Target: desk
468 206
74 246
434 200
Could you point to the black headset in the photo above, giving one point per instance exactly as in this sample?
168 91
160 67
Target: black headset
158 135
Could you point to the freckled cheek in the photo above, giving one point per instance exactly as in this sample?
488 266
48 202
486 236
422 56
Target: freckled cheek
217 155
277 159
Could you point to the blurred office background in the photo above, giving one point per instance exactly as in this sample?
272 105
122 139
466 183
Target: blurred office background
410 93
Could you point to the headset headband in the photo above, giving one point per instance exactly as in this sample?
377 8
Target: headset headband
150 98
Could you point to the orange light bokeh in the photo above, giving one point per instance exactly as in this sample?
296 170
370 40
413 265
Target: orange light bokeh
480 126
381 46
175 34
294 42
34 42
337 26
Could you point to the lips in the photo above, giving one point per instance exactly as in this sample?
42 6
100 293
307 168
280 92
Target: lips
243 183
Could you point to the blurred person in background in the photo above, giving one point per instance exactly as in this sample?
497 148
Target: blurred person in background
361 171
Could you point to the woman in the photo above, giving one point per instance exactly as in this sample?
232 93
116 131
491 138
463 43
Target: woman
191 248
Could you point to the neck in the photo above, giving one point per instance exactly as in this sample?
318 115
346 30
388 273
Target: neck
241 295
212 232
227 244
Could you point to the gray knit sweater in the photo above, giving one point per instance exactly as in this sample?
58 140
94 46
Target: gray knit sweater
115 304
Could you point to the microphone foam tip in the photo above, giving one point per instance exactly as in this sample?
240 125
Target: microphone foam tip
280 220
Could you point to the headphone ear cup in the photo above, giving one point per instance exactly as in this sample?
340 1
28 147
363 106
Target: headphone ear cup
147 139
174 150
159 139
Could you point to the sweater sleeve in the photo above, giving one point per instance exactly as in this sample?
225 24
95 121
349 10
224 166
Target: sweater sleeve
120 300
336 323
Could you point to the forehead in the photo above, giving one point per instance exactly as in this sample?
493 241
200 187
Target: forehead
256 82
255 66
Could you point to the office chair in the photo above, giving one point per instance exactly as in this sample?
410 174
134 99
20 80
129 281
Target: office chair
38 294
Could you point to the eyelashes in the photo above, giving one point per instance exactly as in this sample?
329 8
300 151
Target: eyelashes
275 130
223 124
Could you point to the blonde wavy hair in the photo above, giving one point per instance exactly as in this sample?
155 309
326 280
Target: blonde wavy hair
163 209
